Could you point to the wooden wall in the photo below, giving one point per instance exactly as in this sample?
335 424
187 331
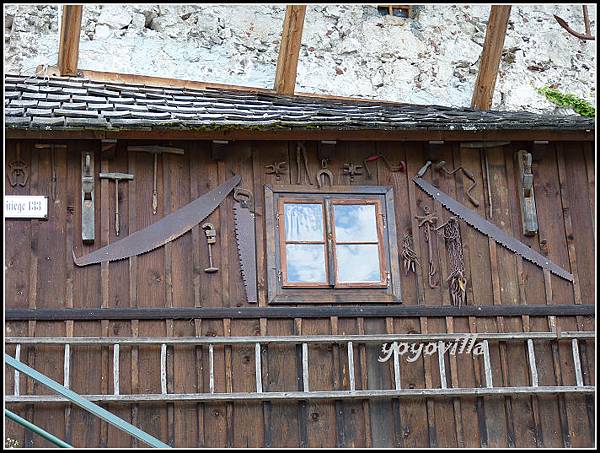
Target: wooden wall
40 274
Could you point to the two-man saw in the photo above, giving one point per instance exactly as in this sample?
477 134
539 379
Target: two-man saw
165 230
246 240
487 228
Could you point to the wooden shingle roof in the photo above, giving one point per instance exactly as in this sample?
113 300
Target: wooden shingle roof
69 103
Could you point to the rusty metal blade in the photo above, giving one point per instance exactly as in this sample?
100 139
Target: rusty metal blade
165 230
491 230
246 244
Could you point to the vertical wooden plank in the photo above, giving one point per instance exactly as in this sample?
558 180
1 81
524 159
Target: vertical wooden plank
284 416
215 420
68 46
248 426
553 244
19 250
581 430
483 92
289 49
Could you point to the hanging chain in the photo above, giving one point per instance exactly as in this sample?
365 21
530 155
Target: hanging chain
408 254
457 280
429 220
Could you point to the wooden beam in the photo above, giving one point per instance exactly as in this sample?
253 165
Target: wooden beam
303 134
68 48
155 81
396 310
291 38
490 58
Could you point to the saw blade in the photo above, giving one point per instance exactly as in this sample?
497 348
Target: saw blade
491 230
165 230
246 245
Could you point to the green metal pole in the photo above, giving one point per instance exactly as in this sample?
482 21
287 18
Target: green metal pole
85 404
36 429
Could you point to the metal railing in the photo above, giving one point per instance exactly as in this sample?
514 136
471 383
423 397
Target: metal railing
527 339
36 429
69 395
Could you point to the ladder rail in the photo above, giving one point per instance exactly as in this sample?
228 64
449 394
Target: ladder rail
304 342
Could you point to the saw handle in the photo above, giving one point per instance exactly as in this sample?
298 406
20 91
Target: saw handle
242 196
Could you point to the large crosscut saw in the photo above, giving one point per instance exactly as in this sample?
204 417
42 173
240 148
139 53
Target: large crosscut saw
489 229
165 230
246 241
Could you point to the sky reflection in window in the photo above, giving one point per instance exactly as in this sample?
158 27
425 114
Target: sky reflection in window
305 263
358 263
355 223
303 222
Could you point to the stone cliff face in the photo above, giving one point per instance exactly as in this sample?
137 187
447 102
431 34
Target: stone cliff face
347 50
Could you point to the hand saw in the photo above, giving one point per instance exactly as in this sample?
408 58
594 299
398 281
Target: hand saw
165 230
489 229
246 240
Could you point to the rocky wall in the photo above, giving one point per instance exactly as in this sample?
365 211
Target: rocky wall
347 50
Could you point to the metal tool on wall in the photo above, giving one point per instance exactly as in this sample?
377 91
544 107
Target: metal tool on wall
324 172
526 195
87 197
487 228
17 170
246 241
116 177
302 163
441 167
211 238
277 169
409 255
18 173
401 167
429 219
457 282
164 230
351 169
155 150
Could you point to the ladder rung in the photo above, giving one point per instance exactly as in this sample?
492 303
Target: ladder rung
211 367
396 368
67 366
577 362
442 363
17 391
258 365
163 369
487 364
305 366
532 364
116 383
351 367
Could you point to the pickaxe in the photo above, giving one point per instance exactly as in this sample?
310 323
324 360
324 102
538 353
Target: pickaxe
156 150
117 177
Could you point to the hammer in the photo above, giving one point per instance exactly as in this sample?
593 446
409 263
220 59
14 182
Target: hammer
156 150
117 177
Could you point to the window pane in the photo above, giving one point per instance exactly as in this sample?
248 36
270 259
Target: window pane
358 263
303 222
305 263
355 223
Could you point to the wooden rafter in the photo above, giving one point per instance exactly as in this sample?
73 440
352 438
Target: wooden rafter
68 50
490 58
291 37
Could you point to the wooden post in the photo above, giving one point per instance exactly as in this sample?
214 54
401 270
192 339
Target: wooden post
68 48
490 58
291 37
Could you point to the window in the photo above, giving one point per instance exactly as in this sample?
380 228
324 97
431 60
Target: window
396 10
331 246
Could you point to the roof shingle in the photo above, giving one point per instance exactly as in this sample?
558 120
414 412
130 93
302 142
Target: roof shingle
71 102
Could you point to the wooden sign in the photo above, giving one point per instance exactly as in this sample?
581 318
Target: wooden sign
26 207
